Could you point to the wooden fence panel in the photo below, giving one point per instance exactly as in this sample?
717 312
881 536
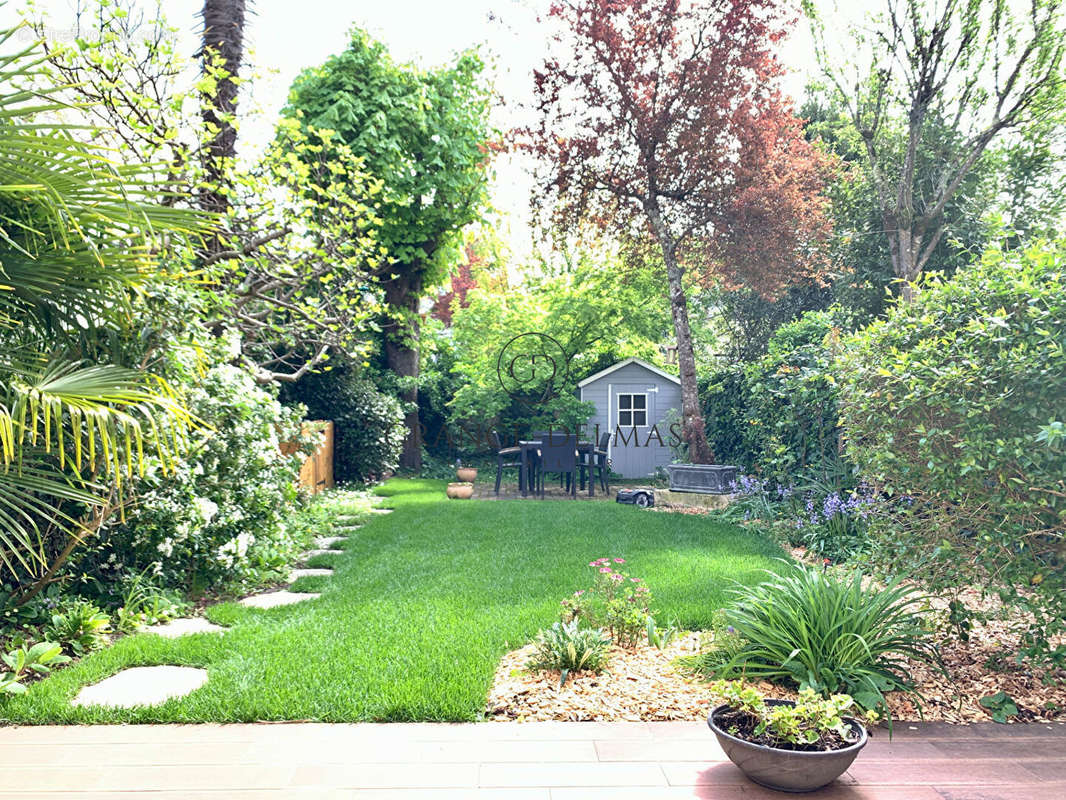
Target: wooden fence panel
316 473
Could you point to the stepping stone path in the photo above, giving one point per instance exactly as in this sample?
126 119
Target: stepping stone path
381 511
142 686
329 541
313 553
186 625
309 572
275 599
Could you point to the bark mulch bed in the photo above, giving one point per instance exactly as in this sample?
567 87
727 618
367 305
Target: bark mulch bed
645 684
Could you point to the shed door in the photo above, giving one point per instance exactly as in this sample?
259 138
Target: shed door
632 414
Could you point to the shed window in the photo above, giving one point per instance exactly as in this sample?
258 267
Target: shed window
632 410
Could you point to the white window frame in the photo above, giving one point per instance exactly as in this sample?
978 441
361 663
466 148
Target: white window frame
618 408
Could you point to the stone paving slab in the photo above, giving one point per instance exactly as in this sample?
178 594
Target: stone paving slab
275 599
321 552
329 541
185 626
309 572
498 761
142 686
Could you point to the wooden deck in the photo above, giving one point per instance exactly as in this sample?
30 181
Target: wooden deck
503 761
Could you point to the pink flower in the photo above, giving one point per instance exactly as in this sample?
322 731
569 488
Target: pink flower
635 580
619 561
605 569
616 577
579 592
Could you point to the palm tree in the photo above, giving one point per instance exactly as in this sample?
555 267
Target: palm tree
78 235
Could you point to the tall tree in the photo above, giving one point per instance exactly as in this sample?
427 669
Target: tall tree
977 69
662 118
221 53
424 134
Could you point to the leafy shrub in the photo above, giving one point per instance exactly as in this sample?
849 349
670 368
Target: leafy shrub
828 634
368 424
144 604
25 661
953 406
812 723
792 425
218 517
616 601
724 399
79 627
568 647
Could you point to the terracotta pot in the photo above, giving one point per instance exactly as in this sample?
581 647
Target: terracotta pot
788 770
466 474
460 491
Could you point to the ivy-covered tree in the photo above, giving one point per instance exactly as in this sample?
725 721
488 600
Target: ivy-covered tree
424 135
661 120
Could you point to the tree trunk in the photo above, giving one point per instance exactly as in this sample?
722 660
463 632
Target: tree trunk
903 248
401 330
692 426
223 36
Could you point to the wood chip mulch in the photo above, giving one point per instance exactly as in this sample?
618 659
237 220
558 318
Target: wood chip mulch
636 685
645 684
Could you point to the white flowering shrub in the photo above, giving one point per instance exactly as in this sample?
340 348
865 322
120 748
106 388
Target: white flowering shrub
219 519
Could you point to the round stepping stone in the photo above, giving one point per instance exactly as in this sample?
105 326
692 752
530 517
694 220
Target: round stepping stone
274 599
309 572
313 553
142 686
184 626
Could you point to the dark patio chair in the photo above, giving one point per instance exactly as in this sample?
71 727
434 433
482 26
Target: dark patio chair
502 456
559 454
596 460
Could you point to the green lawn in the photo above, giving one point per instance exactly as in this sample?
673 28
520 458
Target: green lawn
422 605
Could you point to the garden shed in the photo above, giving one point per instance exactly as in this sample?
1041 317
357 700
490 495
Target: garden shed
633 399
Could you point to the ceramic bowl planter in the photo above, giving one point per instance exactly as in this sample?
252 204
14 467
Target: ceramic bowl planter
460 491
788 770
466 474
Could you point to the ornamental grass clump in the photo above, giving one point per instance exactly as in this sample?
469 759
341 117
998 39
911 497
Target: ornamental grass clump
828 634
568 647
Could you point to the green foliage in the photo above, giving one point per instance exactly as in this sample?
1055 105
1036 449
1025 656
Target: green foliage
951 405
78 236
568 647
801 724
79 627
25 661
593 317
368 424
422 133
828 633
724 396
1001 705
615 601
217 520
144 604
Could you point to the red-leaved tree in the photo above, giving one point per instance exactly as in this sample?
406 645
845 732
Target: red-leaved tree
661 119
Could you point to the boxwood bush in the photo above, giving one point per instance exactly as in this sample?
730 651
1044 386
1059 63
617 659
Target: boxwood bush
954 406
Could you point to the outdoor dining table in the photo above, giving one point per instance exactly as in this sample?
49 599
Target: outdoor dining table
528 446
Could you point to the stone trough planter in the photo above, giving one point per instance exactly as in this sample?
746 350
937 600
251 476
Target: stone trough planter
702 478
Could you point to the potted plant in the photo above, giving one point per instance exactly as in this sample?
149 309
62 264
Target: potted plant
789 746
465 474
460 491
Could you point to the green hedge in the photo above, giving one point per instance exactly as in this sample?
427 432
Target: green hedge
955 403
